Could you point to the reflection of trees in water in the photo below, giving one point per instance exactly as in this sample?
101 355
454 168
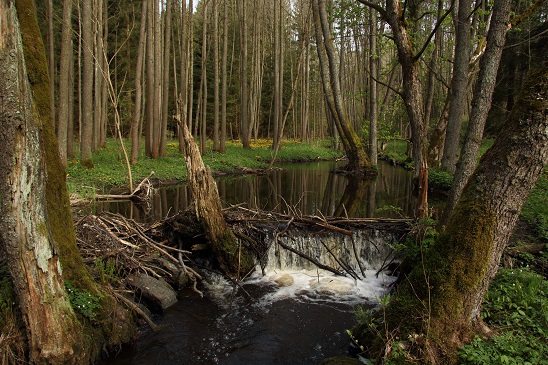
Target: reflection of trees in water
299 190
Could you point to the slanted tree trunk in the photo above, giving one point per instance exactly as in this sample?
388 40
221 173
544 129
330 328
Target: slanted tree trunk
233 258
412 95
358 160
445 292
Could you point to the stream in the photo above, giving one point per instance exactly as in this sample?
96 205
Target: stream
288 311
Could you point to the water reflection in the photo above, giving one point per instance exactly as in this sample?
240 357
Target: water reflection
299 188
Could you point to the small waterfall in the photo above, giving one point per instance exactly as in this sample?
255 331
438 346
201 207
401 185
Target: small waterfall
357 258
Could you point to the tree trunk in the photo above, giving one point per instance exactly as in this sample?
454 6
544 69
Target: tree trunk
52 230
373 103
203 81
277 110
165 78
481 102
459 267
358 160
86 101
135 136
233 259
51 58
459 87
412 96
65 87
149 104
215 76
53 332
244 118
222 146
157 105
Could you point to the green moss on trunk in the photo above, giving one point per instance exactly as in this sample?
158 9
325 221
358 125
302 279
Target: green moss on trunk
117 326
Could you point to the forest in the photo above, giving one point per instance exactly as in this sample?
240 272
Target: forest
440 76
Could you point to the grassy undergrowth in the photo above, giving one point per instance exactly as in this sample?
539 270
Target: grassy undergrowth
110 168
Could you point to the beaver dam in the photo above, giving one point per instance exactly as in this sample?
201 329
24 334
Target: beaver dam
301 261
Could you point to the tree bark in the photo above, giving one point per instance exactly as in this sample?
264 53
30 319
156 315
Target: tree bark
86 158
358 160
135 136
481 102
446 292
459 87
233 258
53 331
165 78
65 87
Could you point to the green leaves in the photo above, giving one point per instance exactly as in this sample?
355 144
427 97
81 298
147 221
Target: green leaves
83 302
515 305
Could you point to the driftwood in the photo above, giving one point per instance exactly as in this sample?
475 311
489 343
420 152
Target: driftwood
142 191
137 310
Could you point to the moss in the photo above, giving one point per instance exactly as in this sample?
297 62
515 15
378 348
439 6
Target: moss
236 258
117 325
87 163
434 302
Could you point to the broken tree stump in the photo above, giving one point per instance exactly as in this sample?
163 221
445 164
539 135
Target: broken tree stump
232 257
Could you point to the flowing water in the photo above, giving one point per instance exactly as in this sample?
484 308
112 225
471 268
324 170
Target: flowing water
288 311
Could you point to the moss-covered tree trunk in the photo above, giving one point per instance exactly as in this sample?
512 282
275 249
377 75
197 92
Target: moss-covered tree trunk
444 294
358 161
233 258
38 217
54 334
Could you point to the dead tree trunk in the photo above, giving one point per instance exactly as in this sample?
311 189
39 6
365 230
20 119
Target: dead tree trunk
232 257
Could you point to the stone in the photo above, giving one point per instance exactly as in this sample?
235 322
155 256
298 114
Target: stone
284 280
153 290
331 286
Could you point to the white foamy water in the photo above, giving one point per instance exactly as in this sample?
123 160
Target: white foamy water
288 275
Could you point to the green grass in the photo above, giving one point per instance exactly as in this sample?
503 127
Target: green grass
396 152
110 167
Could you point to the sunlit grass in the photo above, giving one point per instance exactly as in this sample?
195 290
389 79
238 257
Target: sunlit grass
111 170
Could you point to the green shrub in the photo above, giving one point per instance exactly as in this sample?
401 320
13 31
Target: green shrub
535 210
439 179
